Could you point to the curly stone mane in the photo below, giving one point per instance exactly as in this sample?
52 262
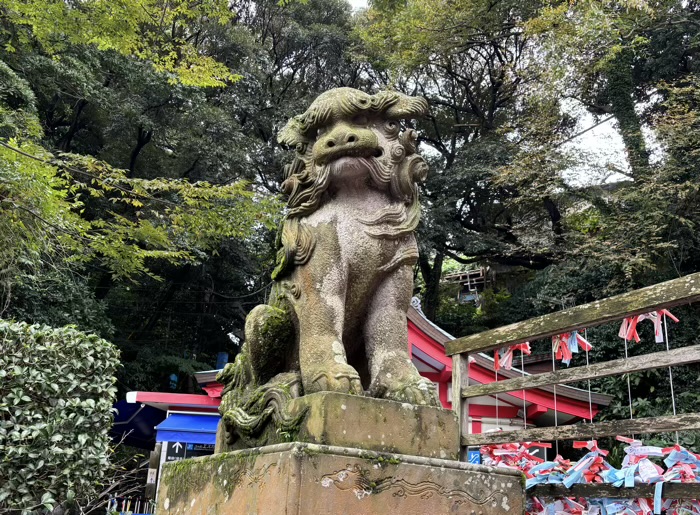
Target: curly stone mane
305 181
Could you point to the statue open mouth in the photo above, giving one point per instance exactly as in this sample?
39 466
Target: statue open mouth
333 154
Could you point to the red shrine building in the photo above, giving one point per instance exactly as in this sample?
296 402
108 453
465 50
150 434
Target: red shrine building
536 407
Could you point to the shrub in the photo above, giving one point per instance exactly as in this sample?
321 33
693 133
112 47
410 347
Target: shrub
56 395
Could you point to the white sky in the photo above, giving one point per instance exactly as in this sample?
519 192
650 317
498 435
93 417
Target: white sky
357 4
602 151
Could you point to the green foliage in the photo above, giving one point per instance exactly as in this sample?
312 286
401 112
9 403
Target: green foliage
457 318
171 220
47 296
649 227
148 367
464 318
18 113
495 192
158 228
403 35
501 88
57 389
173 35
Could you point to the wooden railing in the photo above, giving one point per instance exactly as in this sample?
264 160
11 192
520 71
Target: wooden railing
654 298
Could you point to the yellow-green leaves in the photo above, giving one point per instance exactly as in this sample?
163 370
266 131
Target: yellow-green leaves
42 199
173 35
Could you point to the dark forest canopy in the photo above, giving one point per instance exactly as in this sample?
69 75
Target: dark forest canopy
139 165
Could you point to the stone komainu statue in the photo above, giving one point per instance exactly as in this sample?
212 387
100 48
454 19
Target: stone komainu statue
336 320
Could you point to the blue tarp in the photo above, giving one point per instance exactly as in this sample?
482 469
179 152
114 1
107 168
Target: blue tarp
179 427
134 423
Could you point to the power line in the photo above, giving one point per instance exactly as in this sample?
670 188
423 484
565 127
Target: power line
584 131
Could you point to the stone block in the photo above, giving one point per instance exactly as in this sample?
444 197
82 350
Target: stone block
343 420
377 425
309 479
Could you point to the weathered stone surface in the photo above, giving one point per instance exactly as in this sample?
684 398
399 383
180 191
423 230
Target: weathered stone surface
344 275
377 425
308 479
361 422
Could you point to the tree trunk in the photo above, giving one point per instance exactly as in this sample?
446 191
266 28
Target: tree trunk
64 143
431 277
555 218
620 91
142 139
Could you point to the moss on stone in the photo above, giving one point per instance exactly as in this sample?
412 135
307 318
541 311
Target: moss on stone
305 449
270 346
380 459
186 478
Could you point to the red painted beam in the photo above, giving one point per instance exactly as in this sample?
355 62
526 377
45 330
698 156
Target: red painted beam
535 410
481 410
173 399
564 404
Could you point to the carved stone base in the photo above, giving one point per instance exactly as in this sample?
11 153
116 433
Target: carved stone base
300 478
342 420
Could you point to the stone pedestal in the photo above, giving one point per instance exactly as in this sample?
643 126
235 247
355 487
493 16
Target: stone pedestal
310 479
349 455
341 420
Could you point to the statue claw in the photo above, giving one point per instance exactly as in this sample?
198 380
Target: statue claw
414 390
338 378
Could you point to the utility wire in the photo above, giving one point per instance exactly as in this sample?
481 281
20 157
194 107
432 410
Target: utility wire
584 131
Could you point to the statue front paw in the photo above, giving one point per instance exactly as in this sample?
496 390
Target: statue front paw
337 377
413 389
421 392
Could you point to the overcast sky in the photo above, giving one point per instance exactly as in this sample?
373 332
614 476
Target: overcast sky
603 149
357 4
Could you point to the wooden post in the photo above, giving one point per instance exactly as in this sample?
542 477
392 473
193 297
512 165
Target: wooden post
153 465
460 405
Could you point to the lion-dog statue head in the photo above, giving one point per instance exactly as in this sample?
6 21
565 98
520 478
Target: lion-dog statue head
346 123
343 280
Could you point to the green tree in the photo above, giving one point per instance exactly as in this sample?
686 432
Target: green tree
489 124
173 312
176 37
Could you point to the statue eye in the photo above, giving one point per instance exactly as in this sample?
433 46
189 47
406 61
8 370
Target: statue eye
360 120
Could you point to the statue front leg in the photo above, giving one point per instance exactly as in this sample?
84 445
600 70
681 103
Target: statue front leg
393 376
321 311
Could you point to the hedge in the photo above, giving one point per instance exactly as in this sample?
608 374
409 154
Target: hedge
56 395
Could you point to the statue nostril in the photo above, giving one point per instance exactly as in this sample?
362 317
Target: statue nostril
330 144
352 138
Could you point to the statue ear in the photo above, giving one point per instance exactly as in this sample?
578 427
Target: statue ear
408 107
411 170
409 139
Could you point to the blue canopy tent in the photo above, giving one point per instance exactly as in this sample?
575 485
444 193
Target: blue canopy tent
190 428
